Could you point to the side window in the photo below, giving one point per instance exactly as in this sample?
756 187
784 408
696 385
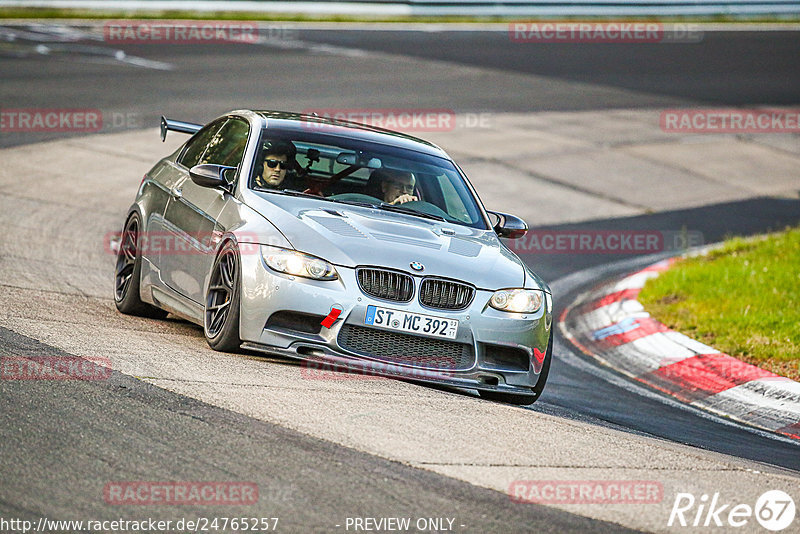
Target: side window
197 145
227 146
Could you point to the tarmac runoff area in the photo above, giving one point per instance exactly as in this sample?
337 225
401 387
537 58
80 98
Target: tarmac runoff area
609 324
60 200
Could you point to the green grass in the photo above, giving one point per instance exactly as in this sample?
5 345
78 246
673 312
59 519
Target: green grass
743 299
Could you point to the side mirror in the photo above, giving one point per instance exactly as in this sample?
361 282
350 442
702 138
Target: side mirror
209 175
509 226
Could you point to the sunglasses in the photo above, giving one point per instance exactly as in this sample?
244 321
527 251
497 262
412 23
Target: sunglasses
272 163
404 187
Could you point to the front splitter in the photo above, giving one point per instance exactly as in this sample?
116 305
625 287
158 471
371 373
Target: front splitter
327 361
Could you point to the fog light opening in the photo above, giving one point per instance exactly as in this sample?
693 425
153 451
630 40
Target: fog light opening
310 351
489 380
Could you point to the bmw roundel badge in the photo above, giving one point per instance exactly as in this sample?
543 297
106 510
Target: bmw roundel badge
417 266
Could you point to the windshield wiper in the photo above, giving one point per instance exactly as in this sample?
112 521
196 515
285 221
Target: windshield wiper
409 211
292 192
311 195
382 205
354 203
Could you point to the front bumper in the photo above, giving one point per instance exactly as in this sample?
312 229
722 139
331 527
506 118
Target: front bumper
503 352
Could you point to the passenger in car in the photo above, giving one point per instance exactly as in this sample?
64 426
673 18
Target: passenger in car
277 157
391 185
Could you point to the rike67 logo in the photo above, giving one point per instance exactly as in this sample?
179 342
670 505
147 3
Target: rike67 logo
774 510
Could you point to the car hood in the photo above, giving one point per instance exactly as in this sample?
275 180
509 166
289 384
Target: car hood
352 236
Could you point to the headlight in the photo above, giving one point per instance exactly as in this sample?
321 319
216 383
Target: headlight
517 300
298 264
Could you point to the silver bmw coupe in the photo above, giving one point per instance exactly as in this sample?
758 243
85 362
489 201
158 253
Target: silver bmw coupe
350 247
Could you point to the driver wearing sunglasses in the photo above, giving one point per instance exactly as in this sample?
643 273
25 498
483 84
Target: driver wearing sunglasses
278 157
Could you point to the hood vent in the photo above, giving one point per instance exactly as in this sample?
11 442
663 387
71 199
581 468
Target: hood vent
338 226
462 247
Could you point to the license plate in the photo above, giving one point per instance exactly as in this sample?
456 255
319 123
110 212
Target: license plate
416 323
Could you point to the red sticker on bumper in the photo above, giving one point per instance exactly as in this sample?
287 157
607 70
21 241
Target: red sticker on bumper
328 321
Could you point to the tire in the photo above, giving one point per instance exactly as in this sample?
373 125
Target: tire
128 273
521 399
221 314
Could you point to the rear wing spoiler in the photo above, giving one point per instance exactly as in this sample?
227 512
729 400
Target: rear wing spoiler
177 126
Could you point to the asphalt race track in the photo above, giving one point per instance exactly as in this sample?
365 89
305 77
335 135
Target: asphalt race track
327 69
726 68
318 451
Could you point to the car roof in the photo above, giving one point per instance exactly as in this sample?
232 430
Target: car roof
289 121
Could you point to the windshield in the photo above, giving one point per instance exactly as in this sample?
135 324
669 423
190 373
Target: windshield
357 172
